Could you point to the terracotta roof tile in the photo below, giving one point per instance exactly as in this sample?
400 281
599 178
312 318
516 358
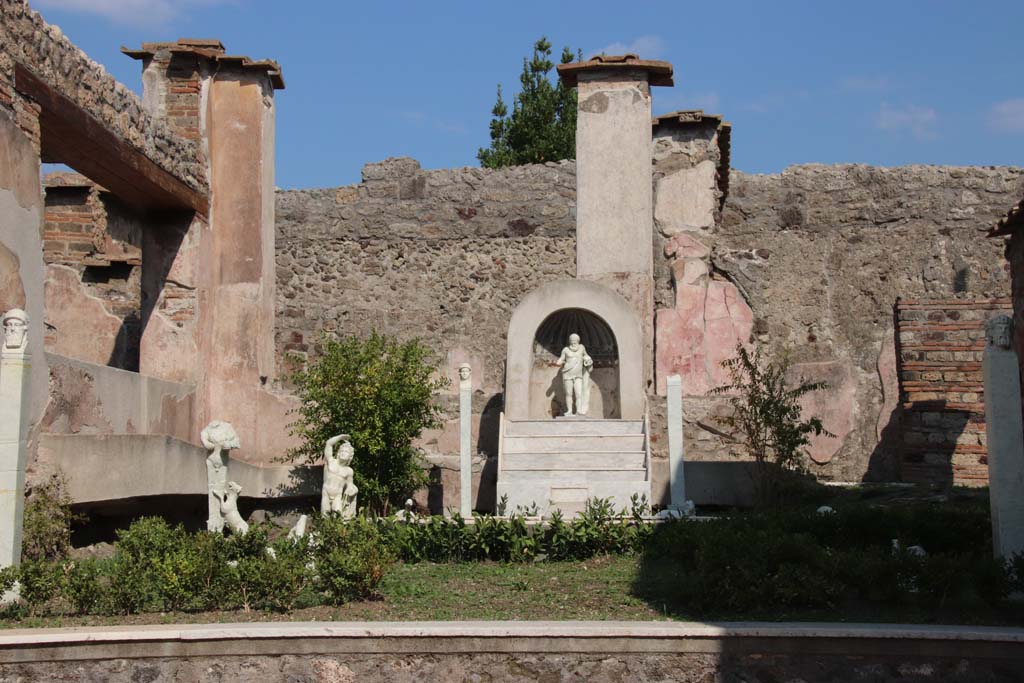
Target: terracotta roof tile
212 49
659 73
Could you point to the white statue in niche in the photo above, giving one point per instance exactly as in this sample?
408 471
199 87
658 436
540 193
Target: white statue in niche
15 330
339 492
229 508
999 331
576 365
218 437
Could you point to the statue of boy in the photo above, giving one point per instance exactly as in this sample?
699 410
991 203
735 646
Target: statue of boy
576 365
339 492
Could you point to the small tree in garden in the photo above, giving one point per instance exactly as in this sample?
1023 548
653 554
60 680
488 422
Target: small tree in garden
766 417
380 392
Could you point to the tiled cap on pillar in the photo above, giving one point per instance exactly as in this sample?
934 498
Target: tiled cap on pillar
658 72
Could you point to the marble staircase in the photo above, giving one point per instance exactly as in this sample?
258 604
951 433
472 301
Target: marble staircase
562 462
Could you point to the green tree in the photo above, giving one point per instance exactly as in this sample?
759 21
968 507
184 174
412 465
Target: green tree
767 418
380 392
542 125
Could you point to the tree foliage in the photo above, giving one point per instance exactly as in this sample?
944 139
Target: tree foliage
542 125
379 391
766 416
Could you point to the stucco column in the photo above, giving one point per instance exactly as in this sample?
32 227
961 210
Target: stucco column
614 195
236 340
15 365
676 462
465 441
1004 430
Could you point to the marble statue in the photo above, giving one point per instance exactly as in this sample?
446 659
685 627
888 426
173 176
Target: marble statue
576 365
465 373
218 437
15 329
339 492
299 530
999 331
229 508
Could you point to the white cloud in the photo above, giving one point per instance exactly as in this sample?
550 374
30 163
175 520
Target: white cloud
1007 116
145 13
419 119
919 121
647 47
865 84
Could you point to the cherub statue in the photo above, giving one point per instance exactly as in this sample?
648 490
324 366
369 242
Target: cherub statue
576 365
229 509
339 492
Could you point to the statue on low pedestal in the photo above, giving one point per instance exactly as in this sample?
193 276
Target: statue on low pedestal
339 492
218 437
576 366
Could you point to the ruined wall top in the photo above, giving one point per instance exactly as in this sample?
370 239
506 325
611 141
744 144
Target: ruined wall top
212 50
43 49
658 72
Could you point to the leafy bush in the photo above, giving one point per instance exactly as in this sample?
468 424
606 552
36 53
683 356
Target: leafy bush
351 558
776 564
46 530
766 414
380 392
598 530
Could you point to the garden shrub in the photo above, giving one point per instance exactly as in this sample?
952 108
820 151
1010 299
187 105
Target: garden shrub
380 392
46 529
351 558
773 564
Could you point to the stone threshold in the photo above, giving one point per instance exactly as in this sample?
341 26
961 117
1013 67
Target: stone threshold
480 637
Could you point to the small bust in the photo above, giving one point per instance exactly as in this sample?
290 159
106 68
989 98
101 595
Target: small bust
15 329
465 373
999 331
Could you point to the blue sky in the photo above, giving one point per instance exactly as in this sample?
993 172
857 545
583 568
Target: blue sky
886 83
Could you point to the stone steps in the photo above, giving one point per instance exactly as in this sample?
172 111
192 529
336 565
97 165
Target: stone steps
562 463
572 427
581 460
573 444
569 497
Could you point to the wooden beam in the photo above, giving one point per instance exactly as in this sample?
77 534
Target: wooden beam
74 137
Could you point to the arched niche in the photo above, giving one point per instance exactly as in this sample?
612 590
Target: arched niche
535 327
547 392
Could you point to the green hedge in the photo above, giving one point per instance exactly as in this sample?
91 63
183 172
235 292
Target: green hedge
159 568
768 564
748 565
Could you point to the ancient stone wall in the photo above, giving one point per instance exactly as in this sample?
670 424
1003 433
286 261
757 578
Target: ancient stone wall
44 50
92 245
818 256
941 344
441 255
822 253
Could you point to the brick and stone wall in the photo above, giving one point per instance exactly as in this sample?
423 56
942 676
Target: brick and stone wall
817 254
42 48
941 344
92 245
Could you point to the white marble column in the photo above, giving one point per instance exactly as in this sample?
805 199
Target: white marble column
465 441
1005 437
15 362
677 477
